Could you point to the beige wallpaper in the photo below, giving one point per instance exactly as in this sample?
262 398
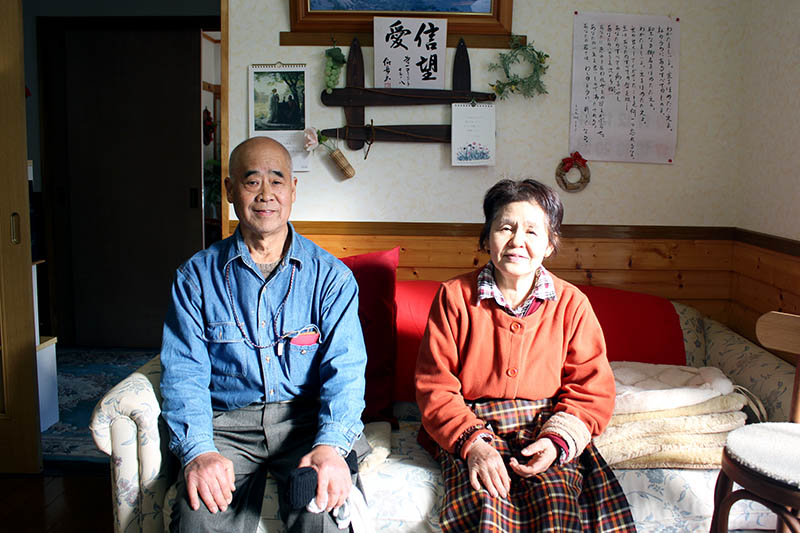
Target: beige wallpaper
738 79
769 178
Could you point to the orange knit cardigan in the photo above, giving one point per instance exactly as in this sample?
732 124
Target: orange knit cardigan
474 350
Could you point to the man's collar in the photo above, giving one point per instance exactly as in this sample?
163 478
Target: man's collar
238 248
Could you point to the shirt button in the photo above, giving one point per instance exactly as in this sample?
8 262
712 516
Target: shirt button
515 327
263 323
266 359
511 372
272 391
302 351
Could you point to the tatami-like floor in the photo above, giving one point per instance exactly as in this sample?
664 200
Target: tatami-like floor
60 500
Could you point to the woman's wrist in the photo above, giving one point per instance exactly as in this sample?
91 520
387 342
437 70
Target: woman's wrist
484 437
469 436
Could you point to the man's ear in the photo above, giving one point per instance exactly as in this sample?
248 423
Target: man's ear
229 189
294 188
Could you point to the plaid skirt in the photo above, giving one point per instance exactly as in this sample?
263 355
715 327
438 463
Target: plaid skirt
582 495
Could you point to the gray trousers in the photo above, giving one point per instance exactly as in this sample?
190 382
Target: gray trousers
258 439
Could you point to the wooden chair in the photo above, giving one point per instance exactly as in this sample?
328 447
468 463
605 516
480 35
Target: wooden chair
764 459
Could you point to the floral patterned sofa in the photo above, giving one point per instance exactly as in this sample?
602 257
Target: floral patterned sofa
404 489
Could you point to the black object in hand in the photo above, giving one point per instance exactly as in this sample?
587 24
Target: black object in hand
302 483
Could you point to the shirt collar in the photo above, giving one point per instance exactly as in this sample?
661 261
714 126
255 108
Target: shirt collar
238 249
487 286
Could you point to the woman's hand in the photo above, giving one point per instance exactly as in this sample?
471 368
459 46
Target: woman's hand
486 468
542 452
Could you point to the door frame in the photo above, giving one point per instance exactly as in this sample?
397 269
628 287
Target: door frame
20 437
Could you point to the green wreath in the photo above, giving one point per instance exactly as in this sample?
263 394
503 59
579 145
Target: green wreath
529 86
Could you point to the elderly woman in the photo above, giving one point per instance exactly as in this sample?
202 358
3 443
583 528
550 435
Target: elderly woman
513 382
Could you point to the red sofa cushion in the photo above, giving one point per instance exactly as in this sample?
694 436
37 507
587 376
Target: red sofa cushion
375 273
414 300
638 327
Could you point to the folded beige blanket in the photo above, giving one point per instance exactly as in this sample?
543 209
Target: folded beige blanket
699 459
693 441
719 404
682 448
681 425
670 417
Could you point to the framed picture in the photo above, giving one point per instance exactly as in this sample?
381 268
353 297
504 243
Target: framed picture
278 107
466 17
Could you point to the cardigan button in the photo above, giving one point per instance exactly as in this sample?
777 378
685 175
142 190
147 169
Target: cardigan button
512 372
515 327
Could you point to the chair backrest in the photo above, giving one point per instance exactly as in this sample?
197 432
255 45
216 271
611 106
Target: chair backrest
781 331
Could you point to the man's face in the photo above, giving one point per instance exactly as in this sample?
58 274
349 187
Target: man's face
262 189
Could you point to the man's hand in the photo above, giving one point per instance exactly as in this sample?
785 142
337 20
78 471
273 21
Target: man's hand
542 452
333 476
211 476
486 467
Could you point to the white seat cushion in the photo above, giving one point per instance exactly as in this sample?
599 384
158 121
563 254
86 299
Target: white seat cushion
771 449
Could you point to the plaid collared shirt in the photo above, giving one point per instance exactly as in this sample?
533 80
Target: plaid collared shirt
487 288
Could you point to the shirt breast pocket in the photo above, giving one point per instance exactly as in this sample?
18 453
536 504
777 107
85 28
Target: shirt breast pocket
226 349
301 354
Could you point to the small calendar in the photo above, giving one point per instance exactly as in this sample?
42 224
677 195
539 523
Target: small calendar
473 135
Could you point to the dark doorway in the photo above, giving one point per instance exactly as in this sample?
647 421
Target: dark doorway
121 171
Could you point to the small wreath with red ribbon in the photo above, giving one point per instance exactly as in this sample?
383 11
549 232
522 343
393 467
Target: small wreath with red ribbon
566 164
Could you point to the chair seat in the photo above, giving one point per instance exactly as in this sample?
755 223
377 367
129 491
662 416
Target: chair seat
772 449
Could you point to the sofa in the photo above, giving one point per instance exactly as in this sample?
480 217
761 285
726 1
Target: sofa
402 483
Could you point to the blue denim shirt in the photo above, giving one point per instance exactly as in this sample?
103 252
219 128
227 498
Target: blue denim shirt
211 363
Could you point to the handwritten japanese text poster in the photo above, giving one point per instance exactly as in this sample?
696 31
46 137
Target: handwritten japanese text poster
624 87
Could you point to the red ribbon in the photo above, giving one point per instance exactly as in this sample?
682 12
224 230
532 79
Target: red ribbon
574 159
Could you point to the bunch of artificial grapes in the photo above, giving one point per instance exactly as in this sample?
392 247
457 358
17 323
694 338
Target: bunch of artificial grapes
334 61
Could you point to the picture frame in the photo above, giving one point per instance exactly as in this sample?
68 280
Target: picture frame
304 18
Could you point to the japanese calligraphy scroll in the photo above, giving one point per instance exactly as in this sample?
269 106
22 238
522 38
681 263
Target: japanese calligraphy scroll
624 87
409 52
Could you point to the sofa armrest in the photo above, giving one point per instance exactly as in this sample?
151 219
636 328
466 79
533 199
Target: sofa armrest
747 364
126 425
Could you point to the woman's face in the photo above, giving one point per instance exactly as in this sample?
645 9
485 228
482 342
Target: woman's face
519 240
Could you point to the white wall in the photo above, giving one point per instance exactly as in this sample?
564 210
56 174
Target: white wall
727 47
769 178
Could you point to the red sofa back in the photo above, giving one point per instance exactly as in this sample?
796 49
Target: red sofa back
637 327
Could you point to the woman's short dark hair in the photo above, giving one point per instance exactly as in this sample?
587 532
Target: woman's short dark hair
508 191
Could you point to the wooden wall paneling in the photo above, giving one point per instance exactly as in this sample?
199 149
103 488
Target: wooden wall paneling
415 251
671 284
773 268
763 297
763 280
575 254
719 310
430 273
724 274
702 271
642 254
742 320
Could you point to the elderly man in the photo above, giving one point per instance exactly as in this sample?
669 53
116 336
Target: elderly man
263 360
